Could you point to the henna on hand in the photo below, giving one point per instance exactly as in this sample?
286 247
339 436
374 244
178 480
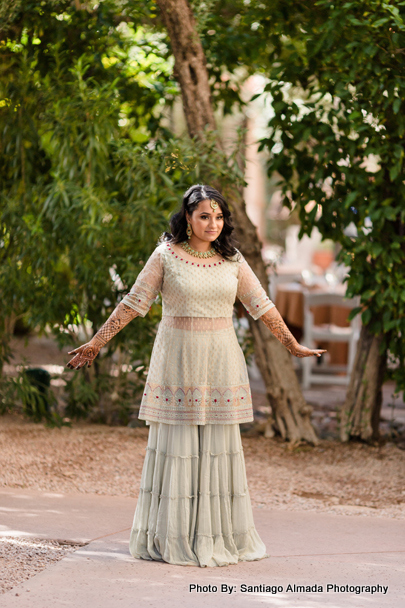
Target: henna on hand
86 354
275 322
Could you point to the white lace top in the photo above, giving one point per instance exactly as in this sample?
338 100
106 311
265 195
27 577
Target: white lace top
197 372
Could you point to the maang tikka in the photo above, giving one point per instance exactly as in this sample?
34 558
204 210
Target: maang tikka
213 204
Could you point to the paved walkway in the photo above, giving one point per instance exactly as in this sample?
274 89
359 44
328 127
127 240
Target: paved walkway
306 549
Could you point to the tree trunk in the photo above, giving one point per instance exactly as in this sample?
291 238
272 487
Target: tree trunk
7 325
360 414
291 412
190 65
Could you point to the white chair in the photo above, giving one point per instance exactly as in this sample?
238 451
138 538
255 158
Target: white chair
278 279
314 334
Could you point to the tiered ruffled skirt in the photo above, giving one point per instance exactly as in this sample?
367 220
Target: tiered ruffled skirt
194 507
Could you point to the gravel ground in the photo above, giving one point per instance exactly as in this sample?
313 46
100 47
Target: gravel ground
94 458
23 557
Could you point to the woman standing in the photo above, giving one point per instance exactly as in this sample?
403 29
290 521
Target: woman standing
194 506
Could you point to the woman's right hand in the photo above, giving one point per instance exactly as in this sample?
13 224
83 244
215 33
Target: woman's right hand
83 355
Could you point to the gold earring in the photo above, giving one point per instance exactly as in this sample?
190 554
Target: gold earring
189 230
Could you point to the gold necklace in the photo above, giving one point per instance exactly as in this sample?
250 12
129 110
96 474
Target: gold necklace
198 254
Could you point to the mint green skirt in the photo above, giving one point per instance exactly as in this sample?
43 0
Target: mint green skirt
194 507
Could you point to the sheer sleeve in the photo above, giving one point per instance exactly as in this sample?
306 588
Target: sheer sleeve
147 285
250 291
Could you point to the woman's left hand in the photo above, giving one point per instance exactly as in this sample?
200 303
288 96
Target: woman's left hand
84 355
303 351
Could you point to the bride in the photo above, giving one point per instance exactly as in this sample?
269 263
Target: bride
194 505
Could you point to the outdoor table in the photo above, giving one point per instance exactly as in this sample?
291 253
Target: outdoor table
290 304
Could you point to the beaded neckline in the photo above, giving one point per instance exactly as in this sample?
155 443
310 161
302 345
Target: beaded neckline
194 263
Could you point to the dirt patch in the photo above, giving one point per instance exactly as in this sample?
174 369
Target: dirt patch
94 458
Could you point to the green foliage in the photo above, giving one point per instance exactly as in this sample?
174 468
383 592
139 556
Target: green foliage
79 89
89 178
335 77
233 36
35 400
61 111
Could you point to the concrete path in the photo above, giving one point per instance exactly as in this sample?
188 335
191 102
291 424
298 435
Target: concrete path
306 549
57 515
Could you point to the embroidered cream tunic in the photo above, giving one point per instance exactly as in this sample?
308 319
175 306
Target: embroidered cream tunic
197 372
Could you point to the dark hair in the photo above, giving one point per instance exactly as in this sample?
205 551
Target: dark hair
225 243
